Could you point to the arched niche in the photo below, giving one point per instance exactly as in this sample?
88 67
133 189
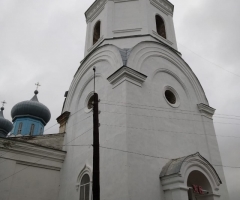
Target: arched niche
181 178
199 186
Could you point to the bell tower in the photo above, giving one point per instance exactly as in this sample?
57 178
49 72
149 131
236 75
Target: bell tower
126 23
157 138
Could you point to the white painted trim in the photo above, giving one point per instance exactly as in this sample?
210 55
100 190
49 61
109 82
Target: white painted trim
95 9
162 38
127 30
38 165
96 44
178 179
164 6
206 110
144 50
30 149
177 104
87 169
120 1
86 102
126 74
174 75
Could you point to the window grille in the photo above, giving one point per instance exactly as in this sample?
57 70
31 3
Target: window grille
85 187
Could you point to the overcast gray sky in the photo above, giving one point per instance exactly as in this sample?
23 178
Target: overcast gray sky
44 41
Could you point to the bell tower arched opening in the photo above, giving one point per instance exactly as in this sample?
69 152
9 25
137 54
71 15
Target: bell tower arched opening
160 26
96 32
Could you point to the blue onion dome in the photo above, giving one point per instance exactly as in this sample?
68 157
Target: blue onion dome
5 125
32 108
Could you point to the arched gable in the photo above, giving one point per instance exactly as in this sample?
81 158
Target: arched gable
144 50
108 53
175 173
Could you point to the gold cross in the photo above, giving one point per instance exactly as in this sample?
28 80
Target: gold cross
38 85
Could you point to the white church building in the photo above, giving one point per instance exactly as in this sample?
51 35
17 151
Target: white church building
157 139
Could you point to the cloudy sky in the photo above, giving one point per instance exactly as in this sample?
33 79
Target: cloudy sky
44 41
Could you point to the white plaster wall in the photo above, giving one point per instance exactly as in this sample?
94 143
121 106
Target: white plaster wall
27 182
7 168
113 166
34 183
137 119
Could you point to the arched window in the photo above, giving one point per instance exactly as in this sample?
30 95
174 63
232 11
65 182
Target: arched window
32 129
85 187
160 26
20 128
96 32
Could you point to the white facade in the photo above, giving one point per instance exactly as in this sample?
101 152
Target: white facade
156 131
141 131
30 167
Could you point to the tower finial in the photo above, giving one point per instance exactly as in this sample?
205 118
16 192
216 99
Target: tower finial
38 85
3 103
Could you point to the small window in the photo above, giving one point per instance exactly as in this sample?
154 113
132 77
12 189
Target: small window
32 129
96 32
170 97
20 128
160 26
41 131
85 187
90 102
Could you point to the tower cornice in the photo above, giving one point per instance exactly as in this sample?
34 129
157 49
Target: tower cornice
98 6
95 9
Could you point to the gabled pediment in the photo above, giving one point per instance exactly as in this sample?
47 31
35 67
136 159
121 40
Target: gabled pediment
178 167
127 74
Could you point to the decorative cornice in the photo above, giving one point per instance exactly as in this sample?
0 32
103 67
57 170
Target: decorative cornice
206 110
127 30
63 118
95 9
126 74
38 165
163 5
30 149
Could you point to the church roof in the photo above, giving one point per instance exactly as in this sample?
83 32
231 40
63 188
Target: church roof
5 125
31 108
